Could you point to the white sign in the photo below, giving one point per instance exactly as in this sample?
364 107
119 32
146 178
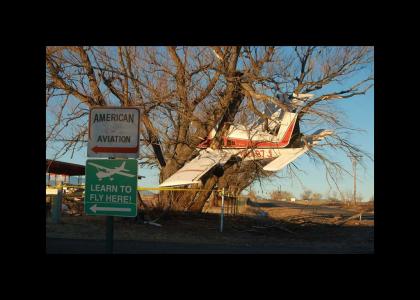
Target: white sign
114 132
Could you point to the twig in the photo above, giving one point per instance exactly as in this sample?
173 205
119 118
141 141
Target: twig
348 219
152 223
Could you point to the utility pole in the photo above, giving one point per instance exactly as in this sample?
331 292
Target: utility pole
354 159
354 181
281 197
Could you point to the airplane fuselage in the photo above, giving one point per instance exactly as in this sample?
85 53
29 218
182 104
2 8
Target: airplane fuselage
250 144
255 153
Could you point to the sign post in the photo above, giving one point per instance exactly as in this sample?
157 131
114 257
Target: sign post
111 190
109 235
222 210
111 185
57 203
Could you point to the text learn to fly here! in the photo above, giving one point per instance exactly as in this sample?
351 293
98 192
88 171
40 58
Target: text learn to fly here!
125 199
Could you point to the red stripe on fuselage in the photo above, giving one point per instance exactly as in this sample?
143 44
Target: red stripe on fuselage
241 143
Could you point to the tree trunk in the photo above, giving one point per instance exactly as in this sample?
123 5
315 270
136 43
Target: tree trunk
201 198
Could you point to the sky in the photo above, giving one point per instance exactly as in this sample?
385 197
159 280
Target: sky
359 113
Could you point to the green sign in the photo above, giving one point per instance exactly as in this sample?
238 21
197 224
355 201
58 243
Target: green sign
111 187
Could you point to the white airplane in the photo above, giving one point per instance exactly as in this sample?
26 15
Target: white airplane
110 172
265 140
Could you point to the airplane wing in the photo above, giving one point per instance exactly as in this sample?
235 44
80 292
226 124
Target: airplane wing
287 155
124 174
198 167
99 166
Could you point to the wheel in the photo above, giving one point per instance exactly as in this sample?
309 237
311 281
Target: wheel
218 171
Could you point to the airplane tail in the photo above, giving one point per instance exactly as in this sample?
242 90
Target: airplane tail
288 119
287 124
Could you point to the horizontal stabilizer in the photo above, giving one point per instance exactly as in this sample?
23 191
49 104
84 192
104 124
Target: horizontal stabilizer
191 172
317 136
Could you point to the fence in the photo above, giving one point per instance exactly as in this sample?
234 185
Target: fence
232 205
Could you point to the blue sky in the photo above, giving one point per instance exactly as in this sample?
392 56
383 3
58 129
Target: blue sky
359 112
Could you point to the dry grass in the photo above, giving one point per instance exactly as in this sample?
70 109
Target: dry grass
290 222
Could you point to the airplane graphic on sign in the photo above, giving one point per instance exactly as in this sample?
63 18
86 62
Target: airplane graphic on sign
108 172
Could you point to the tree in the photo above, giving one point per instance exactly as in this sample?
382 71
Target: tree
316 197
185 92
347 196
278 195
252 196
333 196
306 195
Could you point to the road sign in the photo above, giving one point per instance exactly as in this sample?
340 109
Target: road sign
113 132
111 187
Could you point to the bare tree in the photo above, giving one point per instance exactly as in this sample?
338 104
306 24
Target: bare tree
306 195
278 195
332 196
316 197
252 196
185 92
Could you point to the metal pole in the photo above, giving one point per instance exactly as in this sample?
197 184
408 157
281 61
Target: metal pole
354 181
109 234
221 211
57 200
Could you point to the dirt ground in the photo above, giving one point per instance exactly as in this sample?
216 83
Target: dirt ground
270 224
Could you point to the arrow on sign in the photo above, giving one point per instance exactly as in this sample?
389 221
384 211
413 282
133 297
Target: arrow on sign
97 149
95 208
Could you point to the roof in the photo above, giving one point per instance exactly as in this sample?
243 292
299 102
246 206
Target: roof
64 168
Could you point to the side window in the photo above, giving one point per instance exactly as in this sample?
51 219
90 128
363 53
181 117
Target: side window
230 143
275 130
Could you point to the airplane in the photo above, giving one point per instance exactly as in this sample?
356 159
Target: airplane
262 140
110 172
